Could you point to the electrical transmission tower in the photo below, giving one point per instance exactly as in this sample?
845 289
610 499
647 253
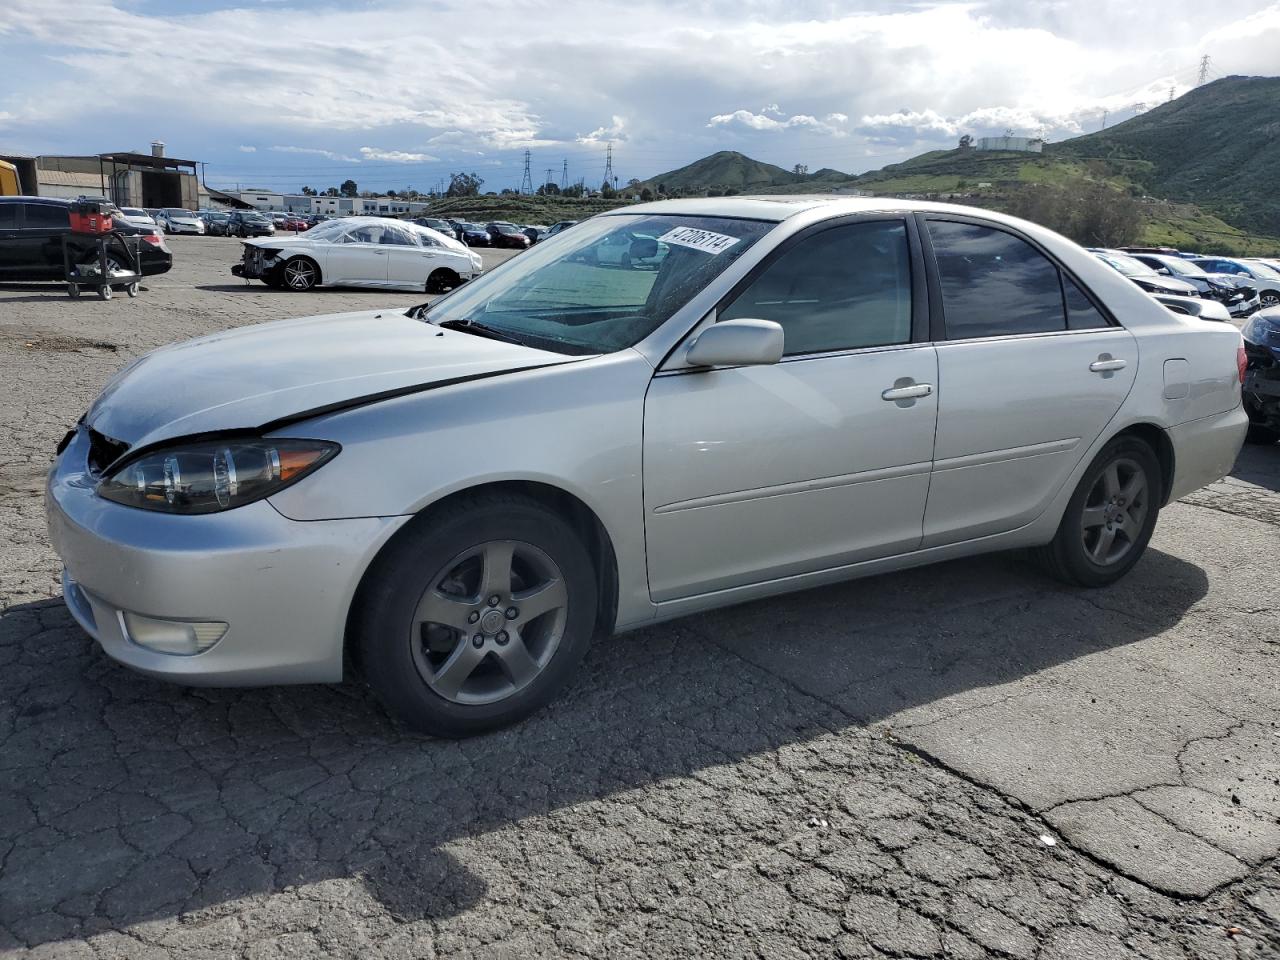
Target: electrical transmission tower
564 174
547 180
608 164
526 185
1104 119
1204 71
1171 93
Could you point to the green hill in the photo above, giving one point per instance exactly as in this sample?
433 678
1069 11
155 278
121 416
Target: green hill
726 170
1217 146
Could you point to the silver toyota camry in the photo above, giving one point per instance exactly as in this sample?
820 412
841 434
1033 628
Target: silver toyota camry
666 409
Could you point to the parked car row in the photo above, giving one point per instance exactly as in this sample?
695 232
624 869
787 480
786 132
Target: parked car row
1238 285
496 233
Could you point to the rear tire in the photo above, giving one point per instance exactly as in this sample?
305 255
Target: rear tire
442 280
1110 517
421 628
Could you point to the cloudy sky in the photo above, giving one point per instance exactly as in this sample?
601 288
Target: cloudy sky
395 93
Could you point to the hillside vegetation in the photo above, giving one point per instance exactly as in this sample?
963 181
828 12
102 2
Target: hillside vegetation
521 209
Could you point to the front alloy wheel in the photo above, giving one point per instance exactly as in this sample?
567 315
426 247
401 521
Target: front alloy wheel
476 614
490 622
300 274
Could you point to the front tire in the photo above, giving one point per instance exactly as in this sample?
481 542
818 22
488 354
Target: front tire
476 616
300 274
1110 517
442 280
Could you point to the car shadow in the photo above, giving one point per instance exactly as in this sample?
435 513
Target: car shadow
152 801
260 288
1259 464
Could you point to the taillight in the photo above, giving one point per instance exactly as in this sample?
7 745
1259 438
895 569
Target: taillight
156 240
1242 361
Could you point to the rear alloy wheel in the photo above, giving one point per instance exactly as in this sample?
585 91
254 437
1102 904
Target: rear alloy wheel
300 274
476 616
1110 518
1270 298
442 280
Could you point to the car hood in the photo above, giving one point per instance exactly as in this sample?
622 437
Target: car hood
1168 285
1232 280
261 376
277 243
185 221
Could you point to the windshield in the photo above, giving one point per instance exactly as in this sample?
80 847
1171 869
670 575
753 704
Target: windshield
173 212
606 285
133 212
326 230
1181 268
1126 265
1262 270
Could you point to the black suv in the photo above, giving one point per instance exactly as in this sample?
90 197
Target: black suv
249 223
31 232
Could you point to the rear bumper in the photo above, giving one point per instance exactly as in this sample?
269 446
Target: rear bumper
1205 450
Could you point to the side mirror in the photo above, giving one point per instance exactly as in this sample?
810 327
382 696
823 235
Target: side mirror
737 343
1164 271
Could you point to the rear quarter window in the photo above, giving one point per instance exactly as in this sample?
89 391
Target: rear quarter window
47 216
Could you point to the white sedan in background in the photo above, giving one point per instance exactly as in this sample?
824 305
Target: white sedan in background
360 252
138 217
177 220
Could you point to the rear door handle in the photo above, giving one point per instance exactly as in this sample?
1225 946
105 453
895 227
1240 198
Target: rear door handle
1102 366
912 391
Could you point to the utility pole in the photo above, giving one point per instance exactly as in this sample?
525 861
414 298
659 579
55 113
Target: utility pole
1204 70
608 163
1171 93
526 184
564 174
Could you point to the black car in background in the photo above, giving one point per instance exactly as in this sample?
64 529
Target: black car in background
1261 335
503 234
560 227
474 235
31 232
249 223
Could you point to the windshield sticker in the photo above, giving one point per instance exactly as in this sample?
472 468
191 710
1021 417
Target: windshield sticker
696 239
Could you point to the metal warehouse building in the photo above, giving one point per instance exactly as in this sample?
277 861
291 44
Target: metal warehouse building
128 179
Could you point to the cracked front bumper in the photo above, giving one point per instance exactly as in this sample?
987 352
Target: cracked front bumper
283 586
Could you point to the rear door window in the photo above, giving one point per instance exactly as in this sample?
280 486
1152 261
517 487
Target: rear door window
8 216
47 216
993 283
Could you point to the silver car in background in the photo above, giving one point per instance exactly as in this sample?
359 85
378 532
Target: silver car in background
769 395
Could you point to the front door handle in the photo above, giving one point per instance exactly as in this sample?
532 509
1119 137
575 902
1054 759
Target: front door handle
1104 364
910 391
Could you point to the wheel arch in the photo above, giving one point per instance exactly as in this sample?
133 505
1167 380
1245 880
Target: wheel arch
581 518
1158 440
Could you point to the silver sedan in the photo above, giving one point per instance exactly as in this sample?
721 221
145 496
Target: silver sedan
766 396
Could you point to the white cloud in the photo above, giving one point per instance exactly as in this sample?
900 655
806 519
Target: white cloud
829 125
245 149
315 152
395 156
615 130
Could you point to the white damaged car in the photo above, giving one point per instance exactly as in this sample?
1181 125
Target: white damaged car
360 252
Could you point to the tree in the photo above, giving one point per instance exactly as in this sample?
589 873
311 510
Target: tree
464 185
573 190
548 190
1092 214
349 189
391 194
646 194
800 169
332 192
308 192
607 191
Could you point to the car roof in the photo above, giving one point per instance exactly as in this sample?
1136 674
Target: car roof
52 201
783 207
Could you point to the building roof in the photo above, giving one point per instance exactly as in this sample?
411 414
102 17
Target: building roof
59 178
145 160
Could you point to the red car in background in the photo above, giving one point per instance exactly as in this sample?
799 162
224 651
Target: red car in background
297 223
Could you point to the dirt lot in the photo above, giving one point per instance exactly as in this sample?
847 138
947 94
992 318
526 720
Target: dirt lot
966 760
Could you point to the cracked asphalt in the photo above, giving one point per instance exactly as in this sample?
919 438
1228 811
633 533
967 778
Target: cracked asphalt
966 760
